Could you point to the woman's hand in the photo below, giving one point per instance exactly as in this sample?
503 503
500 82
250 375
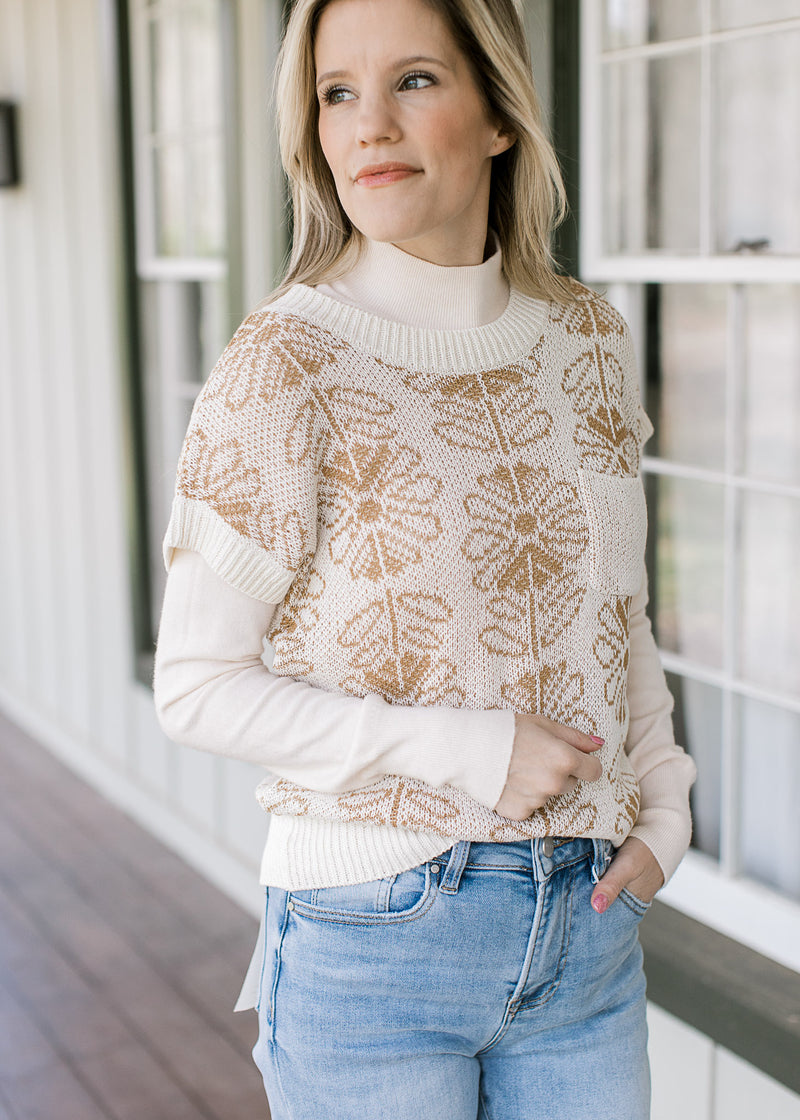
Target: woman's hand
635 867
547 759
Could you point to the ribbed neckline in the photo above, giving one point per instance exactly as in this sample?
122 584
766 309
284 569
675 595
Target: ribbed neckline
507 339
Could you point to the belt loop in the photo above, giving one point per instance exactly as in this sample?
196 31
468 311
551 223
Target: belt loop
603 853
455 867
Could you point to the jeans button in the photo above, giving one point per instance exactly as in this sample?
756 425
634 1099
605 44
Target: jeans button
548 847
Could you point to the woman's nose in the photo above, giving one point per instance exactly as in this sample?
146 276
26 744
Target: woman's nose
377 123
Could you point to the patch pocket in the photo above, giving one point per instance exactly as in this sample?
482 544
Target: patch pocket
617 515
397 898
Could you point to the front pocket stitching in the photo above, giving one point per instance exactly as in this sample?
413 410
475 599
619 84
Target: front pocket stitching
360 918
635 905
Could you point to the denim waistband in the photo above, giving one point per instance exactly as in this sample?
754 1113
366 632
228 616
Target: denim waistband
541 857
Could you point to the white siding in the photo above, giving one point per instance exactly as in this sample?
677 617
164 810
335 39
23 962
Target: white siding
66 654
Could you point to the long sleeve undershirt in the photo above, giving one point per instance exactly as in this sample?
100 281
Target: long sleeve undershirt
214 692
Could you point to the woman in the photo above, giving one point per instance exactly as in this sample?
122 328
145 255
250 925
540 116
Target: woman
416 469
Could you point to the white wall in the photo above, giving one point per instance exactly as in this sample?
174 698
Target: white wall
695 1080
66 668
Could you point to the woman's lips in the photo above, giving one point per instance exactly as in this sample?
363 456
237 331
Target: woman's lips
381 175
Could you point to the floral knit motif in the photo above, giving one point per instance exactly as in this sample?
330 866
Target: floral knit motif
458 528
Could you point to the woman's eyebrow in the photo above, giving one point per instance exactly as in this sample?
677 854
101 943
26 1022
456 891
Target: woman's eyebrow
414 60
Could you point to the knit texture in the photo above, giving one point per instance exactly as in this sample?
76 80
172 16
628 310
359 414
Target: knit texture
449 518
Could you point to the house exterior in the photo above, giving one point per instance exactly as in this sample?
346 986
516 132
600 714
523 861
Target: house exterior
149 216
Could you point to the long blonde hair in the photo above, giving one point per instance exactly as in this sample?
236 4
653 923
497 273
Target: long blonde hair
527 199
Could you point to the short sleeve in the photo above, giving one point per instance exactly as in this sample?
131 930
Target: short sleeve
636 418
245 494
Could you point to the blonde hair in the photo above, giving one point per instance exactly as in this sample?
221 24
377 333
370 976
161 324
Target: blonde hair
527 199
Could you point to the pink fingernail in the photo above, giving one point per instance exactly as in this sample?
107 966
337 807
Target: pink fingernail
597 739
600 903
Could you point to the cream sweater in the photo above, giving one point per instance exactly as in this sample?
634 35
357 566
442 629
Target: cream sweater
448 509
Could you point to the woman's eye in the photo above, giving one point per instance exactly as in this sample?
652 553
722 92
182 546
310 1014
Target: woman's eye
334 95
417 81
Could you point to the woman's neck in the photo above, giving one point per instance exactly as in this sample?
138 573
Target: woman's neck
391 284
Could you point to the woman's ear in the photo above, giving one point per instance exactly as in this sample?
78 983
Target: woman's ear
502 142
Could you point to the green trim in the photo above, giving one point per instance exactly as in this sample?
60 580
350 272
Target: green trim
131 362
743 1001
566 123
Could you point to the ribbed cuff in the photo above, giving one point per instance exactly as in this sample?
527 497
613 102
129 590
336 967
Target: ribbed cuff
665 822
241 563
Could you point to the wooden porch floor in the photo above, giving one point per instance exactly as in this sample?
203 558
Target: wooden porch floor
119 965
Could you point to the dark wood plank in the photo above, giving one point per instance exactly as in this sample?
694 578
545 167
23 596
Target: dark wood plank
744 1001
58 1095
6 1111
141 957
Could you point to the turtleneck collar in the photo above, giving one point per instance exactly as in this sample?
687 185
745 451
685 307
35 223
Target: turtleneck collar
391 284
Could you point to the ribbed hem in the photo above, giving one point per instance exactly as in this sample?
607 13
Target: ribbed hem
306 852
239 562
493 345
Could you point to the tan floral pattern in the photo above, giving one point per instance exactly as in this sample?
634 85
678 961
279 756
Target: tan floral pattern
611 650
588 316
529 534
605 440
379 505
395 643
399 802
555 691
607 434
300 613
439 511
495 410
628 799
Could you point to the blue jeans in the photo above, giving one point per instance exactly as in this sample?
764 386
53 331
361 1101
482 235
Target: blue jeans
478 986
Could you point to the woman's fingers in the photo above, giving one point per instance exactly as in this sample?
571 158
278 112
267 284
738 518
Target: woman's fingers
571 735
548 759
635 867
586 767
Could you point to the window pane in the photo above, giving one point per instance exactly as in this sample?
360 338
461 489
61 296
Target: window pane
756 156
772 402
201 31
631 22
770 796
207 231
213 325
170 201
652 147
685 398
686 521
165 74
741 13
769 638
698 727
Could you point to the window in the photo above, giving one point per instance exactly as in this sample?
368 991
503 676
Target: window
689 218
183 153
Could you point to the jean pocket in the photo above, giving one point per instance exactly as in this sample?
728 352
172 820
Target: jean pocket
397 898
616 512
634 903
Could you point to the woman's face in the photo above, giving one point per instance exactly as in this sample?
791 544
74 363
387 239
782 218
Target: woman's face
404 128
